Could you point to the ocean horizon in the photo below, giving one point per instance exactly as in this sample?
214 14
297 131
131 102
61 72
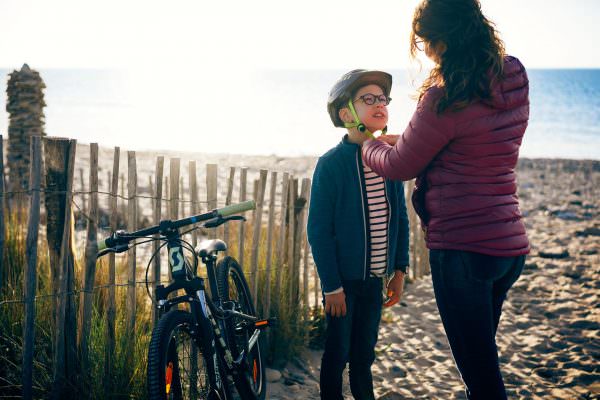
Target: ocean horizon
278 112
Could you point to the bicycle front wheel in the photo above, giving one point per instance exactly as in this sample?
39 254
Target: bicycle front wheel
232 286
177 367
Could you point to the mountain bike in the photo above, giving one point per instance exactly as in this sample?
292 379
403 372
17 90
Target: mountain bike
206 342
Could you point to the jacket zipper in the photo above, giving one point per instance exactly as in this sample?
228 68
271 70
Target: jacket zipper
362 199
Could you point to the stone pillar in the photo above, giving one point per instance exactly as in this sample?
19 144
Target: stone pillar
25 105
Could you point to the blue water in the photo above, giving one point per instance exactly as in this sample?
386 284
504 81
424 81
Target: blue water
277 112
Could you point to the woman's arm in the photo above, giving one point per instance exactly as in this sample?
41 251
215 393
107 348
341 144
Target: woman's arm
427 133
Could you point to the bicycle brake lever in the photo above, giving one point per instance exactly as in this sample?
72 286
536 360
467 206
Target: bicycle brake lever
221 220
117 249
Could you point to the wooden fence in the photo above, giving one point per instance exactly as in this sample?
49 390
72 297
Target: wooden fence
272 244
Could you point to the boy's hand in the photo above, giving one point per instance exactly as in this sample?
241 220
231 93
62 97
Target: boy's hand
395 288
389 139
335 304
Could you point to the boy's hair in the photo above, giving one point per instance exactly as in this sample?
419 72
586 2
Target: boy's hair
345 88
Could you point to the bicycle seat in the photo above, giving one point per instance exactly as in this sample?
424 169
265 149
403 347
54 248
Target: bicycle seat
210 247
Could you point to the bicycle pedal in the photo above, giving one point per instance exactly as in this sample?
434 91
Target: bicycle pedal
264 323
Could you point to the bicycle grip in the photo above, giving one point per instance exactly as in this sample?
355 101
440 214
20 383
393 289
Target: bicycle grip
236 208
102 245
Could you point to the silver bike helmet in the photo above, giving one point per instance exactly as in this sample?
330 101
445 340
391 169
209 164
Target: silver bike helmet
343 89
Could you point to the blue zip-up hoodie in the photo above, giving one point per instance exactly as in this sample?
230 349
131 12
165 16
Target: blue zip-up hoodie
338 230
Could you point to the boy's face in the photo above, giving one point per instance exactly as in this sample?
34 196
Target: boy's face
374 116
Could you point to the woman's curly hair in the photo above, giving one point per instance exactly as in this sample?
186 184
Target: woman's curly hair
474 55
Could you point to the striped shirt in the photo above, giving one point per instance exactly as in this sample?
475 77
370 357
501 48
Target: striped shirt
378 221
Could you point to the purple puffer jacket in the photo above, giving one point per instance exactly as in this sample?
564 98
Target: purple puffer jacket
465 163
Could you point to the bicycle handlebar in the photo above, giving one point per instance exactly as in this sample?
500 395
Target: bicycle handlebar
236 208
120 238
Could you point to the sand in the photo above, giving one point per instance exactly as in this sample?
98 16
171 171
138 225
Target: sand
548 337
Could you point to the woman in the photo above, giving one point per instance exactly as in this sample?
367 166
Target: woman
462 144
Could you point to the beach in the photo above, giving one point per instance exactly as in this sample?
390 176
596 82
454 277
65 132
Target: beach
548 338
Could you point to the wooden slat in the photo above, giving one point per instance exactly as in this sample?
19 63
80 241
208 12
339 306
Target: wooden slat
211 192
65 334
156 275
281 242
194 206
83 196
131 303
269 255
89 274
30 276
228 198
259 198
2 205
241 232
111 305
291 264
305 194
174 189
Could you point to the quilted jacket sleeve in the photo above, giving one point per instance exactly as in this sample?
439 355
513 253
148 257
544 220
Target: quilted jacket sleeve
427 133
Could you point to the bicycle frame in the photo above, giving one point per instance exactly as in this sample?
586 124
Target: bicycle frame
203 310
206 331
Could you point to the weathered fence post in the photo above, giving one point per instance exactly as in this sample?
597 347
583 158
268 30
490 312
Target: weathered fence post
228 202
157 217
131 259
280 251
241 233
167 197
182 197
82 190
89 274
292 220
303 242
211 192
111 307
174 190
269 255
65 343
174 168
259 197
123 202
194 206
2 203
30 278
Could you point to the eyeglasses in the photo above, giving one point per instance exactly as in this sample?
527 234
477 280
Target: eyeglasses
370 99
420 44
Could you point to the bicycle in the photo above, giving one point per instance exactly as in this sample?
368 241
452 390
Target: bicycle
197 351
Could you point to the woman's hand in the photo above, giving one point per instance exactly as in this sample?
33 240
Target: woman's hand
389 139
335 304
395 288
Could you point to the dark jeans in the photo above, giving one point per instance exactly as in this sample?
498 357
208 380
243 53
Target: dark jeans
469 290
351 339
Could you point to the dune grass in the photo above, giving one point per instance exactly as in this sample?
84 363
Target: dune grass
284 342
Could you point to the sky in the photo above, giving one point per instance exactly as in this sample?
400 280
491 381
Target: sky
270 33
192 65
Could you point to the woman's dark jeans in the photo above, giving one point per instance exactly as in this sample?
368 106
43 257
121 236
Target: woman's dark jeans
469 290
351 339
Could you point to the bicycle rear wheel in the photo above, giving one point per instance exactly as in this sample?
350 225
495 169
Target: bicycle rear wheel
177 366
232 286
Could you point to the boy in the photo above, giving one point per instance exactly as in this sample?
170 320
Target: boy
358 232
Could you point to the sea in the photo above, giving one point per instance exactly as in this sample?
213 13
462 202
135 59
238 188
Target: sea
276 112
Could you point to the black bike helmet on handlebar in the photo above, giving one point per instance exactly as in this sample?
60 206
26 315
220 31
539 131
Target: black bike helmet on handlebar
341 94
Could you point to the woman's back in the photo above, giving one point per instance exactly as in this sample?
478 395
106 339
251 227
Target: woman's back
465 164
471 201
